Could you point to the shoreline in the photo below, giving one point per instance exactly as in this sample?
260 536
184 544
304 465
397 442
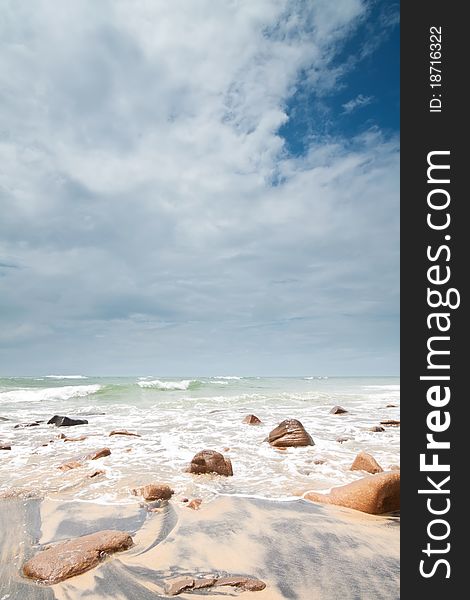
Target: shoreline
298 548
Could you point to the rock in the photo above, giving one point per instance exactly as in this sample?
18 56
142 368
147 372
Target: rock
178 585
390 422
184 499
21 425
338 410
290 433
97 454
76 556
374 494
319 461
344 438
248 584
19 493
226 449
124 432
181 584
366 462
251 420
377 428
154 491
71 464
210 461
5 446
392 406
66 421
96 473
195 503
80 438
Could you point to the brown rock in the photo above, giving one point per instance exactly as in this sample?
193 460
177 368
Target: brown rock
248 584
290 433
338 410
96 473
67 559
392 406
205 582
251 420
343 438
226 449
394 467
97 454
210 461
195 503
154 491
178 585
184 499
124 432
80 438
71 464
377 428
390 422
374 494
23 494
319 461
366 462
5 446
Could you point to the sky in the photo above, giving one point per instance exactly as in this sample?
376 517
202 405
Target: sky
199 187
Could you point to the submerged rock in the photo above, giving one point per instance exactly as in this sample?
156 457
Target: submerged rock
195 503
290 433
66 421
338 410
390 422
210 461
183 584
344 438
377 428
153 491
97 454
124 432
69 465
366 462
73 557
80 438
374 494
5 446
33 424
252 420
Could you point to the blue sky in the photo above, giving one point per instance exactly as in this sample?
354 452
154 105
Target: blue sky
199 187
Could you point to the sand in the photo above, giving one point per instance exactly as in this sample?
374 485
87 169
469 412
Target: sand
301 550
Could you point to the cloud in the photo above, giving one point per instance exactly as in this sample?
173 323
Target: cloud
358 102
158 218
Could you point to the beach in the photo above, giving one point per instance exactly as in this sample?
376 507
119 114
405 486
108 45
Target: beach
253 524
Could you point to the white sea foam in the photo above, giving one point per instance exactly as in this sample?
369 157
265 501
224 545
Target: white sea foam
166 385
228 377
38 395
391 388
66 377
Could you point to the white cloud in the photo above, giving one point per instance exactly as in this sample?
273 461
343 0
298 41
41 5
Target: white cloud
138 143
358 102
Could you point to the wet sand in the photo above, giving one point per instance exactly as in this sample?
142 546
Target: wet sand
301 550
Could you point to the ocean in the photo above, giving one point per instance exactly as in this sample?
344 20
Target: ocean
177 417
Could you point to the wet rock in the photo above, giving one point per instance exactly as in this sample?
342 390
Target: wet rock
374 494
248 584
182 584
96 473
5 446
80 438
33 424
76 556
97 454
377 428
154 491
319 461
124 432
252 420
338 410
195 503
210 461
366 462
19 493
69 465
184 499
390 423
290 433
392 406
344 438
60 421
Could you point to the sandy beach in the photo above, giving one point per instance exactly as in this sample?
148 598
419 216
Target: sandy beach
301 550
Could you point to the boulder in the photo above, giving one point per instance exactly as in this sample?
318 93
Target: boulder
338 410
154 491
210 461
251 420
76 556
366 462
374 494
377 428
66 421
390 422
97 454
124 432
290 433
